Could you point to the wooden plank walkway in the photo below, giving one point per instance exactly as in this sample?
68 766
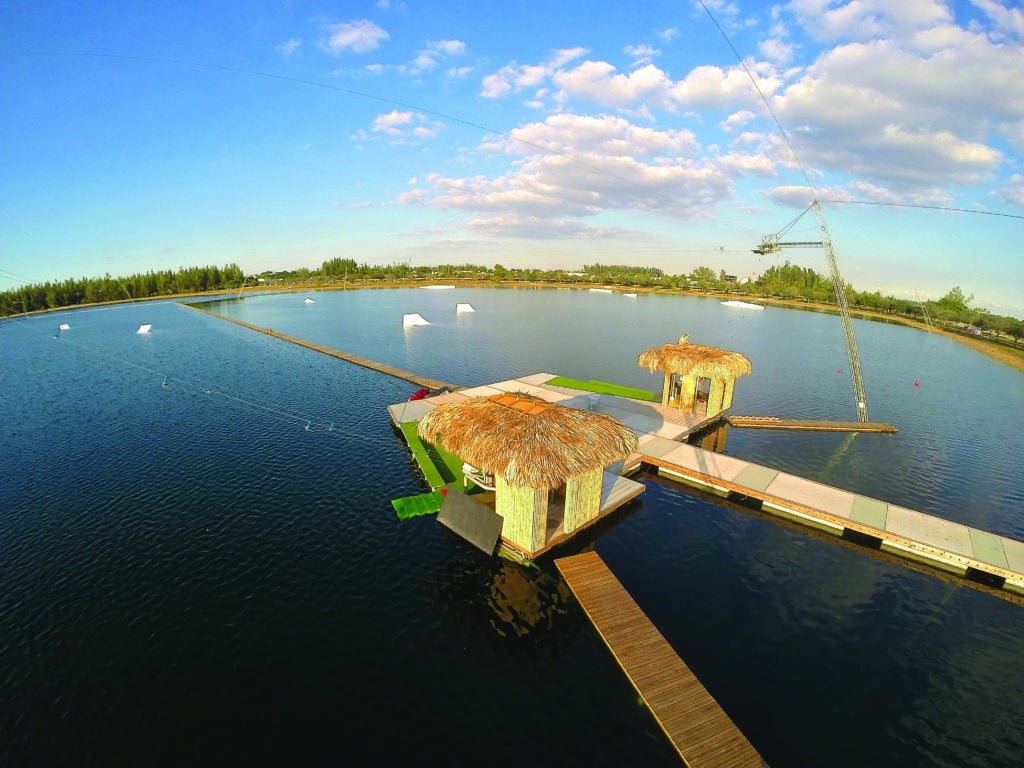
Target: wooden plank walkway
808 425
390 370
697 726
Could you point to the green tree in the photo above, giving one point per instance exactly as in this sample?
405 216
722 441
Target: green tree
955 301
703 277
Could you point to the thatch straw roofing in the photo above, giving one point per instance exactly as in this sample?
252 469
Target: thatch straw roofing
687 359
530 442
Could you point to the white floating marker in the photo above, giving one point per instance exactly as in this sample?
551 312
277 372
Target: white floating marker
464 308
64 326
145 328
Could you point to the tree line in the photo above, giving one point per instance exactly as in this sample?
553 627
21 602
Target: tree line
75 292
780 281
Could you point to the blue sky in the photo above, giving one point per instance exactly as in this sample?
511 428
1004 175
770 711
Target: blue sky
141 136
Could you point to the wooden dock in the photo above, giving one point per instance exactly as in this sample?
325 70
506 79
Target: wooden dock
697 726
390 370
808 425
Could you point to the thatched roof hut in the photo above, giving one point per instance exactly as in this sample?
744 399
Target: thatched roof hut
548 461
696 377
694 360
527 441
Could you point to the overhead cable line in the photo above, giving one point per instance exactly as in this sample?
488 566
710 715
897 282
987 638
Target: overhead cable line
771 243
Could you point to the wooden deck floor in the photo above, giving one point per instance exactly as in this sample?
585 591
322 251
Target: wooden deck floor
808 425
697 726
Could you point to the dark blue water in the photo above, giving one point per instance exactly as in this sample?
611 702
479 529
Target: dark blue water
201 564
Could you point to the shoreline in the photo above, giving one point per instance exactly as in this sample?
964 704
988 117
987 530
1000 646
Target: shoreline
1009 356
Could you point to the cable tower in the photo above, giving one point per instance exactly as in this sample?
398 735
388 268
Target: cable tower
773 243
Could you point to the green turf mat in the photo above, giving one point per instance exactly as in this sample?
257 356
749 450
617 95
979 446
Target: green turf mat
604 388
421 504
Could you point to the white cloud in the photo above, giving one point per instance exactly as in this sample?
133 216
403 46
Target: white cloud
358 36
514 77
869 19
432 56
1009 20
641 54
288 47
776 50
575 167
392 122
403 127
637 92
736 120
929 111
597 82
448 47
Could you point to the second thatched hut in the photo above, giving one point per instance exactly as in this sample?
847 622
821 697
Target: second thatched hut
698 379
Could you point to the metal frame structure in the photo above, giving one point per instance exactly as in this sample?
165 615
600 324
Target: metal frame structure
773 243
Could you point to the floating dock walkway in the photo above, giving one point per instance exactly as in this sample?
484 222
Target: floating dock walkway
697 726
979 556
982 558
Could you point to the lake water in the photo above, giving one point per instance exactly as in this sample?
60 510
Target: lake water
201 564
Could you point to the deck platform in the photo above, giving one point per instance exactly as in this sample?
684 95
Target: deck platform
642 417
696 725
978 556
808 425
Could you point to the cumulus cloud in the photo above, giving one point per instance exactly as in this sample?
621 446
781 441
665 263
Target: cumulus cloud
869 19
924 113
358 36
1010 21
906 107
574 167
637 92
514 77
401 127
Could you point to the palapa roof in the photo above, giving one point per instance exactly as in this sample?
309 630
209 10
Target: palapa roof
694 359
530 442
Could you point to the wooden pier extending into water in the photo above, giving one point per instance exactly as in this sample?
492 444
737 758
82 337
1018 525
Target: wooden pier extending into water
390 370
697 726
808 425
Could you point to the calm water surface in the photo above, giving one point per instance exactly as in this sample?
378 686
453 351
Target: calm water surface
201 564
